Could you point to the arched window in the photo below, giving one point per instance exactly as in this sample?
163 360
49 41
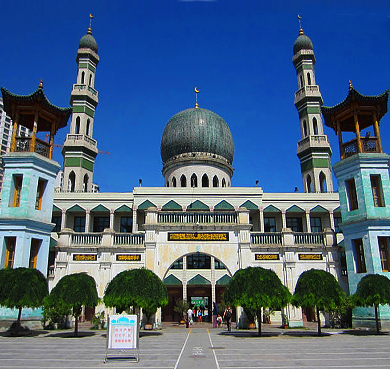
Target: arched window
215 181
194 180
223 182
205 180
167 184
315 126
90 79
322 182
77 128
174 182
308 184
88 125
308 79
71 181
85 183
183 181
301 80
304 129
82 78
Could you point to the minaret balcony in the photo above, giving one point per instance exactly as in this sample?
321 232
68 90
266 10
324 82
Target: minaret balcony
80 140
314 141
84 90
368 145
308 91
24 144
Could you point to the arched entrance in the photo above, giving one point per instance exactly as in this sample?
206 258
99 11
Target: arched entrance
197 278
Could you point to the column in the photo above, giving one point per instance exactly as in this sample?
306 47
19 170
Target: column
51 140
14 131
34 132
331 219
307 216
261 217
284 224
184 281
112 219
212 281
357 129
340 135
87 220
63 219
377 133
135 224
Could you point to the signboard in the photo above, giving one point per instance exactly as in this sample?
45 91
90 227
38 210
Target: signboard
122 337
310 256
197 301
267 257
84 257
196 236
127 257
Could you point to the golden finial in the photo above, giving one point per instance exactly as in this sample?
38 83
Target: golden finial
196 97
40 84
350 85
90 24
300 25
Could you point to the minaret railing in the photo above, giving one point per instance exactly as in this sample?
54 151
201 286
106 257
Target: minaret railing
201 218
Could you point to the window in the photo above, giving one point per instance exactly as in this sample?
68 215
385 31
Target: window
10 243
194 180
183 181
301 80
315 224
384 253
337 221
322 182
71 181
351 194
308 184
269 224
315 126
57 220
88 126
295 224
82 77
77 128
174 182
218 264
17 190
304 129
90 80
377 193
178 264
40 190
79 224
35 244
126 224
100 223
205 180
198 261
85 183
359 256
215 181
223 182
308 79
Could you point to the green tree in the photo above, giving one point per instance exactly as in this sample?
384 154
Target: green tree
319 289
137 288
55 312
181 307
256 288
22 287
76 290
372 290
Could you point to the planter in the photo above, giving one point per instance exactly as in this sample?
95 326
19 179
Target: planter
252 325
148 326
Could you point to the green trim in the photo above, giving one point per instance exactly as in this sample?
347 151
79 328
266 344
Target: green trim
314 163
79 163
124 209
83 109
307 66
100 208
53 243
91 68
146 205
223 281
249 205
56 208
319 209
83 65
271 209
172 205
172 280
223 205
198 280
337 210
309 110
76 209
295 209
198 205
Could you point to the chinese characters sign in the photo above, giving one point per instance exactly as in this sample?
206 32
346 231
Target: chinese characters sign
266 256
310 256
211 236
122 332
84 257
127 257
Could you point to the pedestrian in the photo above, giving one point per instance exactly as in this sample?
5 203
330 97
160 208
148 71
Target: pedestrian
189 316
200 316
219 321
215 313
227 315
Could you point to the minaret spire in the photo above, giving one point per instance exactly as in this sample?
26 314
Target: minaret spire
196 97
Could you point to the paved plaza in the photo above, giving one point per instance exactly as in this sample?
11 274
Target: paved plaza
202 347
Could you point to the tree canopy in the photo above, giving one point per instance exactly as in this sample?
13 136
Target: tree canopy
255 288
319 289
372 290
76 290
22 287
136 288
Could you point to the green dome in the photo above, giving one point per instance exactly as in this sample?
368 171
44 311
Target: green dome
197 130
88 42
302 42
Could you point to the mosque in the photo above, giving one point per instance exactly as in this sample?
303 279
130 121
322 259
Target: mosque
198 230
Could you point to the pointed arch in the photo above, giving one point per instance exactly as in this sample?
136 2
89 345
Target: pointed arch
71 181
194 180
308 79
88 126
77 127
304 128
215 181
205 180
174 182
315 126
82 77
85 183
322 178
223 182
90 80
183 181
167 184
309 184
301 81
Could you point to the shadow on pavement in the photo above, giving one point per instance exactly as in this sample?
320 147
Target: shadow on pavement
361 332
306 334
244 334
30 333
70 334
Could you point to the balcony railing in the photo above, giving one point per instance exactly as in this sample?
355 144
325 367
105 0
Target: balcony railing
86 239
78 137
309 238
121 239
118 239
271 238
23 144
317 139
369 145
84 87
307 90
201 218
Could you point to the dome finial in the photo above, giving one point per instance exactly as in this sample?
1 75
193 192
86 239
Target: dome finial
196 97
350 85
40 86
90 24
300 25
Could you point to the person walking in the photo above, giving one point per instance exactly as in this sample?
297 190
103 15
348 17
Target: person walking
227 315
189 315
200 316
215 313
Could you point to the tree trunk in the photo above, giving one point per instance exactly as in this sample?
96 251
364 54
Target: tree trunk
76 313
376 318
318 320
18 321
259 322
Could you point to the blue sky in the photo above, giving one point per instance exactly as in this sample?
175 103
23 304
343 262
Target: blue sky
238 53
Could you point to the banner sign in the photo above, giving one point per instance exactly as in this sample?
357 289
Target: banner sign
122 337
127 257
267 257
197 301
310 256
196 236
84 257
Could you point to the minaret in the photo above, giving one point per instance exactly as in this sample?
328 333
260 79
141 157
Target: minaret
80 149
314 151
